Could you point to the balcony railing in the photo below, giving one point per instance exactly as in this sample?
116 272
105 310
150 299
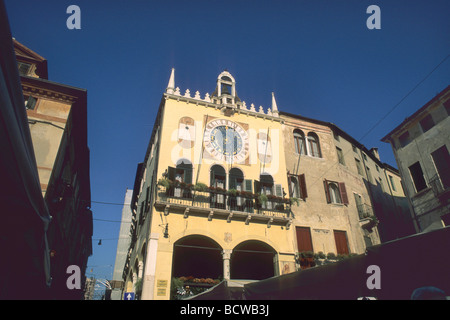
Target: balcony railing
231 200
440 191
364 211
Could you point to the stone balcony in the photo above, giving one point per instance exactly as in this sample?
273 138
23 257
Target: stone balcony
222 204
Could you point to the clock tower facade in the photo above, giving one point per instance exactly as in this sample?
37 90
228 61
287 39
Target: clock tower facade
211 196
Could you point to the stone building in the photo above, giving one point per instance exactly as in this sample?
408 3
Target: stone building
57 116
420 144
346 199
221 194
123 244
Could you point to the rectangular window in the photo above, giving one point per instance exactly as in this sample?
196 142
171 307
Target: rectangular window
340 155
336 136
24 68
381 184
359 205
447 106
427 123
441 159
30 102
359 167
391 180
369 175
404 139
417 176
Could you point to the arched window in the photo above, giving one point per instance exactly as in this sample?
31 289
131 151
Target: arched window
299 142
218 182
236 182
294 188
334 192
183 171
266 184
236 179
314 146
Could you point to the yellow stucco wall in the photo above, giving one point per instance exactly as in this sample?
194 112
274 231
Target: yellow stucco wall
226 234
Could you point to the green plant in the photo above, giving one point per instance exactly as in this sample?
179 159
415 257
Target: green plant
307 254
320 255
331 256
233 192
199 186
341 257
138 285
294 200
164 182
262 198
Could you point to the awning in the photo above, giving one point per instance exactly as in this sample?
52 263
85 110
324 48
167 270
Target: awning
404 265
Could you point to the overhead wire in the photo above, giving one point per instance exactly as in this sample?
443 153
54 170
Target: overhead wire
388 113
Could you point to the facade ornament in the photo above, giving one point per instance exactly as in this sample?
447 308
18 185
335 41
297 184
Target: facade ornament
274 106
171 84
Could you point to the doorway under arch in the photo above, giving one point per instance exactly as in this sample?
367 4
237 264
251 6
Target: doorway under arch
252 260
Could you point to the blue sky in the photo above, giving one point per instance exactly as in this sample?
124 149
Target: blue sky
318 57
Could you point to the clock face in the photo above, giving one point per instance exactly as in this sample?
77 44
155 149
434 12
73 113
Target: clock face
226 140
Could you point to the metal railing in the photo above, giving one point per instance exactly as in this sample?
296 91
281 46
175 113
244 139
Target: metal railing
223 199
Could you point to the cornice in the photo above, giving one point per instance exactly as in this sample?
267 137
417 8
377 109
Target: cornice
243 110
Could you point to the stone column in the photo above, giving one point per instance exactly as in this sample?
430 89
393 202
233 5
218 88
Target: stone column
148 281
226 255
141 268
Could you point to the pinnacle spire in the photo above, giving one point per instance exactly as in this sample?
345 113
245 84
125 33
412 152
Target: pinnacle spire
274 105
171 84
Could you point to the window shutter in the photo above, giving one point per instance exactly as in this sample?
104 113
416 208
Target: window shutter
327 192
304 241
31 103
212 178
147 199
171 173
279 190
248 185
141 213
188 175
256 186
343 192
340 238
302 182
